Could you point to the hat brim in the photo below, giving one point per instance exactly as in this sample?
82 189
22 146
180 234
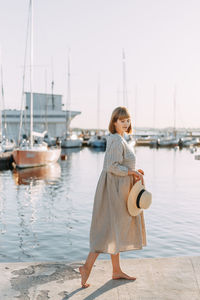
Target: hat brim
131 203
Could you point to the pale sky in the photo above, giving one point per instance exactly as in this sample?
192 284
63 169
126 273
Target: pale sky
161 39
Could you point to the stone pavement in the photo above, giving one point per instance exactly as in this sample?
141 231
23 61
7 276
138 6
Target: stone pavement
175 278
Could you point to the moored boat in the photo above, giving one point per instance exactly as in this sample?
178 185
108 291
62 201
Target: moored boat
189 141
36 155
7 145
30 154
71 141
169 141
97 141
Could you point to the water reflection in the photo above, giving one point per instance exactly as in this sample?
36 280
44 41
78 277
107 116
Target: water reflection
70 151
93 150
45 212
35 197
2 206
33 175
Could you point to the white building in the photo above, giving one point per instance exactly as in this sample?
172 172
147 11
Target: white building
48 114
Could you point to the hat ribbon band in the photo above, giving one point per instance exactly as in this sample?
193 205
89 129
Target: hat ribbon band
138 198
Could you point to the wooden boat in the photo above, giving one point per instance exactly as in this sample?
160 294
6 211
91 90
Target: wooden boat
35 156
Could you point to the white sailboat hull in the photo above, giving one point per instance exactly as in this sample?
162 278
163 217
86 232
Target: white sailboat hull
169 142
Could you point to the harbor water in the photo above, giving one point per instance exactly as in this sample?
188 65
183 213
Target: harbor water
45 213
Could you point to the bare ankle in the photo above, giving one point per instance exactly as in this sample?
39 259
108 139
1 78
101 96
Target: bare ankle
86 268
117 271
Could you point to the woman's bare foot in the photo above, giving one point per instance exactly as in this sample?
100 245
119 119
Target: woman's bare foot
121 275
84 277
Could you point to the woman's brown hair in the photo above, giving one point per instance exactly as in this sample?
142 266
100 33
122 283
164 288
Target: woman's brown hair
121 113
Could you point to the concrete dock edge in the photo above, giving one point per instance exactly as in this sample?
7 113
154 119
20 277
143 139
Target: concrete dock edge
173 278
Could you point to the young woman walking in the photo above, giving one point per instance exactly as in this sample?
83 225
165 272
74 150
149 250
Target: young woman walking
113 230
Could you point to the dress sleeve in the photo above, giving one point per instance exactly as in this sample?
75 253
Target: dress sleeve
115 159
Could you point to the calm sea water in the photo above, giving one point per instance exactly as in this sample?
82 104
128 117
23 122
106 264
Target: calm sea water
45 213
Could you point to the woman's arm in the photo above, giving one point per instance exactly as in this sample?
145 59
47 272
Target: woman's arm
114 159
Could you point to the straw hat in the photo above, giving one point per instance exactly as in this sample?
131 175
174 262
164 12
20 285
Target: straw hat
138 199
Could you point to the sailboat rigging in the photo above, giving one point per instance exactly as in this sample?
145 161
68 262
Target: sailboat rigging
69 140
6 144
33 154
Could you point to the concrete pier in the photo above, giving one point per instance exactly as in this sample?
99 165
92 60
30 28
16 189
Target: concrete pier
175 278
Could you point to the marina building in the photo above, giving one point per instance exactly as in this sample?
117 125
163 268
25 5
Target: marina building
48 114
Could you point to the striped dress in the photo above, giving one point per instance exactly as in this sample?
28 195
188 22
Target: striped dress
112 228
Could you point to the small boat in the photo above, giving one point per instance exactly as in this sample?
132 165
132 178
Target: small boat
97 141
71 141
169 141
143 141
7 145
189 141
147 140
85 136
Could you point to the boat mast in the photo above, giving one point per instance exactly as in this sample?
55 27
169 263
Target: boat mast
98 104
154 106
3 107
46 102
31 74
125 100
0 110
135 107
68 104
174 106
52 87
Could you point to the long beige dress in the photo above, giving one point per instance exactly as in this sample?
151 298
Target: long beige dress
112 228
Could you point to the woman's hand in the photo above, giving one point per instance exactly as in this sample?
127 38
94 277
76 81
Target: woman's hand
137 175
141 171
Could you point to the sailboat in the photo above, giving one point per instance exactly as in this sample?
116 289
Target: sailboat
70 140
30 154
5 144
170 140
128 137
98 140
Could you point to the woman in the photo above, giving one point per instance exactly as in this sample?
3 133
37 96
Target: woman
112 229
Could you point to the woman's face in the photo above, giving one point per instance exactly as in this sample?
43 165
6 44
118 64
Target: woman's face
122 125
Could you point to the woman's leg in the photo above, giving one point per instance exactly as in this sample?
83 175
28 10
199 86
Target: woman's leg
117 272
87 267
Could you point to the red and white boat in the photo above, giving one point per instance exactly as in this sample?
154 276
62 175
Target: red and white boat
35 156
30 154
